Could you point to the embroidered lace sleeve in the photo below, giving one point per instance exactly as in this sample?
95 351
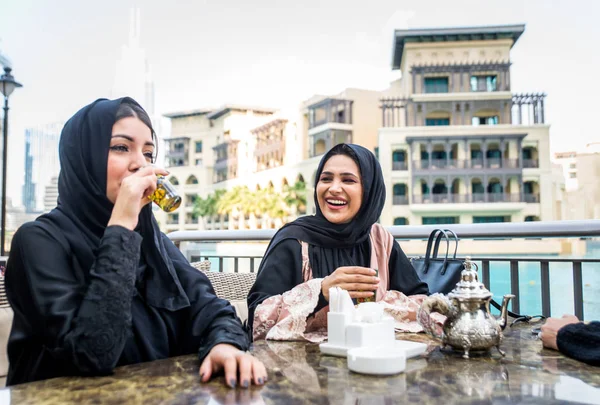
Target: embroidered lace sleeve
85 320
284 317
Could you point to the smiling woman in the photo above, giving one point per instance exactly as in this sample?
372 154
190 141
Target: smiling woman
341 245
339 189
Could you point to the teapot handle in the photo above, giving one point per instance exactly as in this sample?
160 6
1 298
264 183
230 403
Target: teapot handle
434 303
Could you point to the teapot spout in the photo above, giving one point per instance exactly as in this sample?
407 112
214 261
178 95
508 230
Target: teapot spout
504 313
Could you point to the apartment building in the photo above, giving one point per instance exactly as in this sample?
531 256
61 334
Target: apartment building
352 116
260 148
581 171
456 145
206 146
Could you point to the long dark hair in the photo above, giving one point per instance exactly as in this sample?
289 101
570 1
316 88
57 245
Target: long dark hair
130 110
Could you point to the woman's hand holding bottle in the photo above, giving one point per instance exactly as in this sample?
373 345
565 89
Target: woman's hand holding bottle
133 196
360 282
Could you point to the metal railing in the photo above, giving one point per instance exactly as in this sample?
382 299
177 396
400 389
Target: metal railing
507 230
400 200
399 166
531 163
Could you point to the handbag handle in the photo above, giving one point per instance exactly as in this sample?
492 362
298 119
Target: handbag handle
438 240
428 256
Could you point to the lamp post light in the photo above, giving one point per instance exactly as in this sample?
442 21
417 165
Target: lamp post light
7 86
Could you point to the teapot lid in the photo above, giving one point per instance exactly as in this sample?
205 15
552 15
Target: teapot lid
469 287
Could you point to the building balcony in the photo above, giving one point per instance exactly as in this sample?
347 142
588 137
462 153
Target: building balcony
330 110
224 163
531 197
176 154
265 148
399 166
489 163
531 163
461 108
475 198
177 147
400 200
323 141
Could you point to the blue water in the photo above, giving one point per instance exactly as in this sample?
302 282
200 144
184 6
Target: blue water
561 287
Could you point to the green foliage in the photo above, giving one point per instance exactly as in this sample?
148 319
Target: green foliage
266 202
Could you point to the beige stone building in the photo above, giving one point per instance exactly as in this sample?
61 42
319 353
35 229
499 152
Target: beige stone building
259 148
456 145
205 146
581 171
352 116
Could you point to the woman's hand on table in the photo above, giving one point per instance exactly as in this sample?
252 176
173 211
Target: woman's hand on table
233 362
360 282
552 326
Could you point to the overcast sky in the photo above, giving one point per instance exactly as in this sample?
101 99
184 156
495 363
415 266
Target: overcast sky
276 53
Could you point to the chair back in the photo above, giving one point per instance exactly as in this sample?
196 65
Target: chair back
6 318
233 287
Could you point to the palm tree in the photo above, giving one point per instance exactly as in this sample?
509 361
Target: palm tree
207 207
233 202
295 197
272 206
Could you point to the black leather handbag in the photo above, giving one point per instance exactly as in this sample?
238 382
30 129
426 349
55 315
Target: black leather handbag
440 273
443 273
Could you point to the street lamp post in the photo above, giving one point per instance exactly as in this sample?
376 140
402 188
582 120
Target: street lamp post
7 86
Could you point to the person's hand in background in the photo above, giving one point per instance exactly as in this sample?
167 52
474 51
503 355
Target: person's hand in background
552 326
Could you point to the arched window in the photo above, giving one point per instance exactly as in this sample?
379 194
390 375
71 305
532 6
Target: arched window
477 187
400 221
440 187
400 189
173 180
495 187
191 180
398 156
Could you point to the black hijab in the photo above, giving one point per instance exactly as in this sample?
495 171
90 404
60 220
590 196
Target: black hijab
334 245
84 210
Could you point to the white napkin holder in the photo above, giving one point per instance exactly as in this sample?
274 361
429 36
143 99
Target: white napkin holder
366 336
377 360
365 326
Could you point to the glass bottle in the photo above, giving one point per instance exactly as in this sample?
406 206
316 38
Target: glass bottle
373 297
165 195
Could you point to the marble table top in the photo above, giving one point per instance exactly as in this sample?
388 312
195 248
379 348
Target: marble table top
299 374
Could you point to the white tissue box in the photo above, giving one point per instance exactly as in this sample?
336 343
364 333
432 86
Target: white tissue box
359 334
337 323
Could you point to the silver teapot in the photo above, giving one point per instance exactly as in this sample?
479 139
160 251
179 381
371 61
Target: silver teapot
469 325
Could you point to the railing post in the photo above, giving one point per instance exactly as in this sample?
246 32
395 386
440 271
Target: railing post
514 285
485 273
545 280
578 289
